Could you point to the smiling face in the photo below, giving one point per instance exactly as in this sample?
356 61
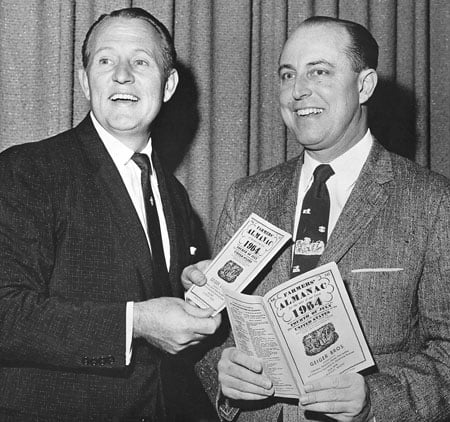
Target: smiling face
321 96
124 80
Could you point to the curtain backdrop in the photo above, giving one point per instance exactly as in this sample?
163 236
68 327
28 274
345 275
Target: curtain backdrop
223 122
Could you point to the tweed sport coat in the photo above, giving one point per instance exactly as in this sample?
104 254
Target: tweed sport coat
72 253
397 217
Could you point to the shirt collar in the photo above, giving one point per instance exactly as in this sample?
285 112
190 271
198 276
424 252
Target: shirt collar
357 155
119 152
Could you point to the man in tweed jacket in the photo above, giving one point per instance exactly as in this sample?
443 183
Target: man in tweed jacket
390 237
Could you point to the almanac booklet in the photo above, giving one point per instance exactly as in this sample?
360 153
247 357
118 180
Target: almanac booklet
250 249
303 329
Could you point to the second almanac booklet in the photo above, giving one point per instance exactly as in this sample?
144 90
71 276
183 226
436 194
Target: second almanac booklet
303 329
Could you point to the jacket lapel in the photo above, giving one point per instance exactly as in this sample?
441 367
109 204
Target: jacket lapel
365 201
117 201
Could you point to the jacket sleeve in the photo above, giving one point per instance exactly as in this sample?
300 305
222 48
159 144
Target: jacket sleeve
416 387
207 367
36 327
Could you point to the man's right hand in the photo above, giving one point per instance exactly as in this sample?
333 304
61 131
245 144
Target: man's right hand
171 324
242 377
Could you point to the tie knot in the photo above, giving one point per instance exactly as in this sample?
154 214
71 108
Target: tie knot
142 161
322 173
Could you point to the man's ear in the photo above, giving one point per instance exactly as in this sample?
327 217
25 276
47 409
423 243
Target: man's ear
367 81
83 79
171 85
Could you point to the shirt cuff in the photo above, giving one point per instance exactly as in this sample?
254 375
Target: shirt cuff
129 332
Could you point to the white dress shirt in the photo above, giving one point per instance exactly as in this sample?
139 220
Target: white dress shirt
131 176
340 184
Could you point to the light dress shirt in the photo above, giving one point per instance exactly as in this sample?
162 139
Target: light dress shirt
340 184
131 176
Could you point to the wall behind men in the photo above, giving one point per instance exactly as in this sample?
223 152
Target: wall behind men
223 122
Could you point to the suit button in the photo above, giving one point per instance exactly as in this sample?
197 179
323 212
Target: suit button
85 360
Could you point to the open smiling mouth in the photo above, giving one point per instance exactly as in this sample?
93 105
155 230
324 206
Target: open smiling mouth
305 112
124 98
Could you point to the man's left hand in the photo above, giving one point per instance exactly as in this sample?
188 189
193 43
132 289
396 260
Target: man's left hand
194 274
344 398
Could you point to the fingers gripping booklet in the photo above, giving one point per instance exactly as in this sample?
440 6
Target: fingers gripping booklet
250 249
303 329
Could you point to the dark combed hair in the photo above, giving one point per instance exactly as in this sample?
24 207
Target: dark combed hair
363 49
169 55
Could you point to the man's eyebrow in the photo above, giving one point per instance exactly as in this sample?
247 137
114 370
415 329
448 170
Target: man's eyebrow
321 62
285 66
144 50
313 63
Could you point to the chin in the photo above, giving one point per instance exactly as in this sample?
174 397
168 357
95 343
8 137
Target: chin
307 141
123 123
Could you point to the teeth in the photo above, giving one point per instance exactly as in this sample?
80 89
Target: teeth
308 111
127 97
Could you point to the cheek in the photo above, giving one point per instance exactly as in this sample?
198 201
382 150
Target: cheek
285 96
95 88
153 89
287 116
348 107
348 93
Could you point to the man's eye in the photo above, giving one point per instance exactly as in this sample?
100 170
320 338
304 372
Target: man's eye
141 62
287 76
320 72
104 61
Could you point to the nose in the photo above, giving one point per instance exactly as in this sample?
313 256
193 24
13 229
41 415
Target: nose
300 89
123 73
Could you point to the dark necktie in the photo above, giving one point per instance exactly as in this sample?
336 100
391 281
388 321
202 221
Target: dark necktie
161 286
313 225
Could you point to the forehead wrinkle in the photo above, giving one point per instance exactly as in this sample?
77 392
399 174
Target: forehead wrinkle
112 49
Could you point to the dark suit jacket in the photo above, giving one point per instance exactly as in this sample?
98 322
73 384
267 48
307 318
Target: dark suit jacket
397 217
72 253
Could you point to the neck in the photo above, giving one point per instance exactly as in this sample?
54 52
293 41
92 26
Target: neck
136 143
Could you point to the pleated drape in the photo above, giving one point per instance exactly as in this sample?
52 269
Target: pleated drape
223 123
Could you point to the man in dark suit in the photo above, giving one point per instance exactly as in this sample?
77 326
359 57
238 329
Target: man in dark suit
387 228
93 238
